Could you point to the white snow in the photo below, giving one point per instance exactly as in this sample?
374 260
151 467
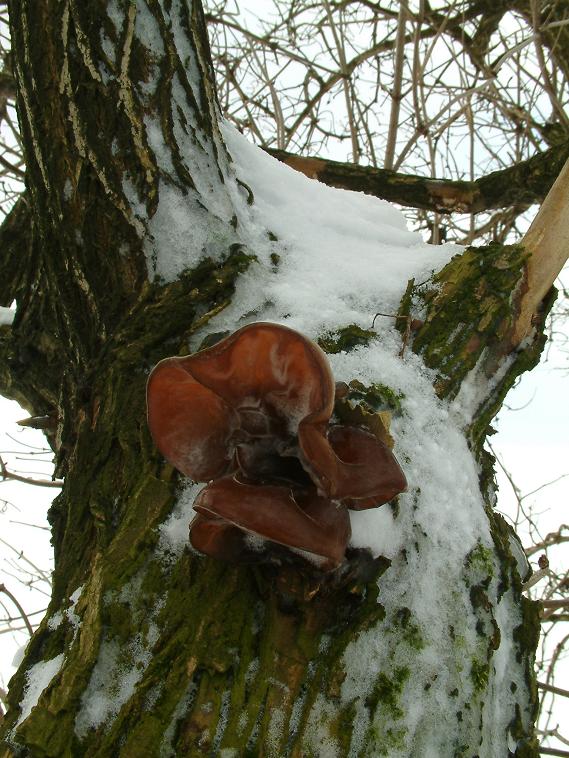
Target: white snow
19 655
54 621
69 613
7 316
173 539
72 617
147 31
118 670
343 258
38 677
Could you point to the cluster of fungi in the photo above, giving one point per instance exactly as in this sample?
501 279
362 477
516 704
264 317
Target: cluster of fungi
251 416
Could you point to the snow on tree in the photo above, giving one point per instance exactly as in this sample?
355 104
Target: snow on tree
151 228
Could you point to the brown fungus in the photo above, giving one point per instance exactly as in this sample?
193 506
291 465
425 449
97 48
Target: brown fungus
251 416
296 518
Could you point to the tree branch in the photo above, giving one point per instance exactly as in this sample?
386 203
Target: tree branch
553 538
554 604
555 617
548 242
6 474
551 688
525 183
21 611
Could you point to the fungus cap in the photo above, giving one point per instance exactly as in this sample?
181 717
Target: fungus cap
251 415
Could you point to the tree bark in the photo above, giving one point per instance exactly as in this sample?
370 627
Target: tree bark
522 184
175 654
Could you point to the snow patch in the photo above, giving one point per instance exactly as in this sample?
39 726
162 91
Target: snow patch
38 679
19 655
119 667
182 707
72 617
345 256
7 316
174 531
55 621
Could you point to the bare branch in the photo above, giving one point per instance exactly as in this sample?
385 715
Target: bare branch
553 538
444 196
555 690
21 611
6 474
548 242
555 604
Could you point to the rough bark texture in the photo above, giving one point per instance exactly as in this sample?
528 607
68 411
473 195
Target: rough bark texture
224 657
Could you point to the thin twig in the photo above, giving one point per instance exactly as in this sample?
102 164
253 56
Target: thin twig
21 611
396 90
553 538
6 474
555 604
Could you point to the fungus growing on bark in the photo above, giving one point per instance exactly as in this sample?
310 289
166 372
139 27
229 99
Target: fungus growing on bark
251 416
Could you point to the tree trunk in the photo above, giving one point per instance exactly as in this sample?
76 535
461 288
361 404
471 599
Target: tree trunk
148 648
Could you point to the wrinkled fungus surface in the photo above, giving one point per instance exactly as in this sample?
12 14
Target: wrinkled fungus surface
252 417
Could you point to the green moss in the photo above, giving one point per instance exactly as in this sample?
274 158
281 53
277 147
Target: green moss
379 397
410 633
479 673
47 730
480 561
387 691
343 726
502 533
461 751
524 360
118 616
471 307
346 339
466 310
528 748
393 739
526 635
